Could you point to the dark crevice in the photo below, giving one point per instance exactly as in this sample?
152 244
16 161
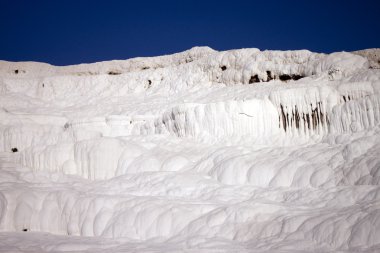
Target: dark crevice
297 77
254 79
113 73
149 84
14 150
16 71
223 68
310 121
284 124
346 99
286 77
287 118
269 74
314 118
296 116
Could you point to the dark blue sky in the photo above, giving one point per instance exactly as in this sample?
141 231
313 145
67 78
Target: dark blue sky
70 32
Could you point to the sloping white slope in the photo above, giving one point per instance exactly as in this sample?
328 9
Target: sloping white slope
234 151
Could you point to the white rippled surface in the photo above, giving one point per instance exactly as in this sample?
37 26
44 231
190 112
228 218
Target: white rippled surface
200 151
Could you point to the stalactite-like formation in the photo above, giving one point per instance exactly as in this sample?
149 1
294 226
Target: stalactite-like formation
311 120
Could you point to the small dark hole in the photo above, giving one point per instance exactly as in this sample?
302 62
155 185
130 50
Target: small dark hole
144 68
43 85
16 71
149 84
14 150
297 77
113 73
285 77
254 79
223 68
25 230
269 74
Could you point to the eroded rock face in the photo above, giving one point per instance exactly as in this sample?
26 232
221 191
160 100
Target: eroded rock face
273 149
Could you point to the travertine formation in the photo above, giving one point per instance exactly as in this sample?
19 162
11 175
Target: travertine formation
234 151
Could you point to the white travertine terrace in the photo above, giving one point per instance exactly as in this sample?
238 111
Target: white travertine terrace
234 151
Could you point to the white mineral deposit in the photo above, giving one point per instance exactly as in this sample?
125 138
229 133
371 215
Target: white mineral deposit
199 151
